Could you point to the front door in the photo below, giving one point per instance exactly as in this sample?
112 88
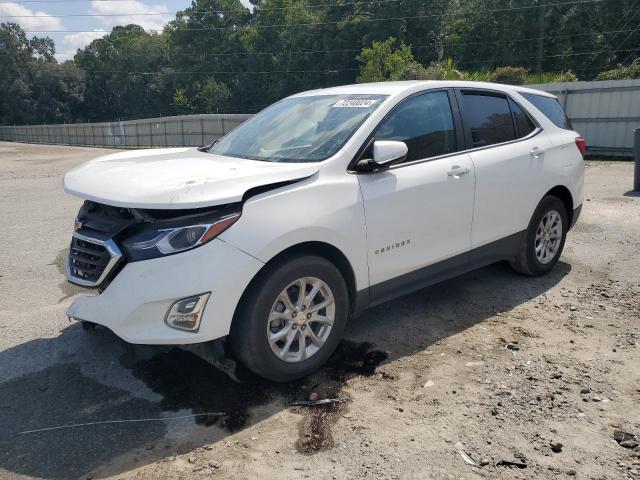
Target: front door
418 213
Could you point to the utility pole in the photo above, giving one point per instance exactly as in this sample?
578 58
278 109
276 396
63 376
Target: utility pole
540 43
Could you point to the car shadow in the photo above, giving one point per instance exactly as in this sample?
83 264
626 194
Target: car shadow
144 404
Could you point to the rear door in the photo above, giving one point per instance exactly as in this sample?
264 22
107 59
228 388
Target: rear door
509 154
565 154
563 137
418 212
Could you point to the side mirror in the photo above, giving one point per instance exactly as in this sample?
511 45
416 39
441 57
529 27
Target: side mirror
385 154
389 152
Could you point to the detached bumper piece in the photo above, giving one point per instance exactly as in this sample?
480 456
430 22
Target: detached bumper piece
91 260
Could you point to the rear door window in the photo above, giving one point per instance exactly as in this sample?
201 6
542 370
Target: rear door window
524 124
425 123
487 117
551 109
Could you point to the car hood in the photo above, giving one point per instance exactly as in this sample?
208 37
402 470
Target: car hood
176 178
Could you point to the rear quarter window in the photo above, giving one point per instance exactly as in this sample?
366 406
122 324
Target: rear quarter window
551 109
488 118
524 124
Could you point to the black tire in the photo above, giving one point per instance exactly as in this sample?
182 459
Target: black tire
249 330
526 261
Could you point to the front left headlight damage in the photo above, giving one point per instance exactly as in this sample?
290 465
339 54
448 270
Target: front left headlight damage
166 237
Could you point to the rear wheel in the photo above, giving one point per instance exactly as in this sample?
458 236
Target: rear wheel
292 319
544 240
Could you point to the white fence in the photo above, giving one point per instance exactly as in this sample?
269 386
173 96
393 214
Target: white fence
605 113
191 130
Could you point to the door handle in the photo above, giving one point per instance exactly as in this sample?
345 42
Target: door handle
457 171
536 152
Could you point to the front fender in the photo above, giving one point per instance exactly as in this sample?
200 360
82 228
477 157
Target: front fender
328 210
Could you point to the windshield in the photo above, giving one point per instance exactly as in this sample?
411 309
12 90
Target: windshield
304 129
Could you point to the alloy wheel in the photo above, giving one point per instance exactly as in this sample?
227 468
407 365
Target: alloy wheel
548 237
301 319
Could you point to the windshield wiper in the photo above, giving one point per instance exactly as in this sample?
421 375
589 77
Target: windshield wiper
206 148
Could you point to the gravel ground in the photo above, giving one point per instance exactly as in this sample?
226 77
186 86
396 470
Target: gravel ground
490 375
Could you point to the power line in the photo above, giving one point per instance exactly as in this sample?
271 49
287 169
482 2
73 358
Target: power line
628 36
631 53
622 23
590 70
353 50
59 1
336 22
208 72
555 56
92 15
237 10
302 71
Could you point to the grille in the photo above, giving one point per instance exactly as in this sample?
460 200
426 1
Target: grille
91 260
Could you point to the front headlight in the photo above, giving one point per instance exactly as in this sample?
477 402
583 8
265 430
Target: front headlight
165 238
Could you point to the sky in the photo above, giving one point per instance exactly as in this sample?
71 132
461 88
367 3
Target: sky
51 18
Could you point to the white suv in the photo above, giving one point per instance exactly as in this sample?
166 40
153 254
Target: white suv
324 204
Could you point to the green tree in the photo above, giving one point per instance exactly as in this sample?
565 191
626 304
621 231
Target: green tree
208 96
434 71
127 75
219 56
553 36
276 53
206 46
622 72
509 75
383 60
34 88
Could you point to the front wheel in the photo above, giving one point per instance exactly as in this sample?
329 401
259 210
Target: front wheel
292 319
544 239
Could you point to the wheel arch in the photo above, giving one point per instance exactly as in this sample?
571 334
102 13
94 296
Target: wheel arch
322 249
564 195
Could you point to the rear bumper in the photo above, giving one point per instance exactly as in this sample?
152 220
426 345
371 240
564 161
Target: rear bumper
135 303
575 216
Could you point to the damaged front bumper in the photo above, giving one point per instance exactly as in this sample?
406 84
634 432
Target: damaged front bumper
136 302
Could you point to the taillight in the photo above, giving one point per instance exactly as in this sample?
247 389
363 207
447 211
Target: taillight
582 145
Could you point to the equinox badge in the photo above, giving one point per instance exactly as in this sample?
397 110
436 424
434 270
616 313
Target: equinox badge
393 246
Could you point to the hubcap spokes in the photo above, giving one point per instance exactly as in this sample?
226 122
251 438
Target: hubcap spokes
301 319
548 237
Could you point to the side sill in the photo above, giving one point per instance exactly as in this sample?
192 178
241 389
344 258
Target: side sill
504 249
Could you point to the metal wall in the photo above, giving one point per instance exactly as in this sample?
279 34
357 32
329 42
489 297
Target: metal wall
191 130
605 113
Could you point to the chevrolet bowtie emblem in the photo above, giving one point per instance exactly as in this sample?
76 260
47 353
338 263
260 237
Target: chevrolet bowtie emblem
77 225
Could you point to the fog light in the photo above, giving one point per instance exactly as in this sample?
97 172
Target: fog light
186 314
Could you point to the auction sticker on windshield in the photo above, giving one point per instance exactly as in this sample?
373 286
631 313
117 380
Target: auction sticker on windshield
353 103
